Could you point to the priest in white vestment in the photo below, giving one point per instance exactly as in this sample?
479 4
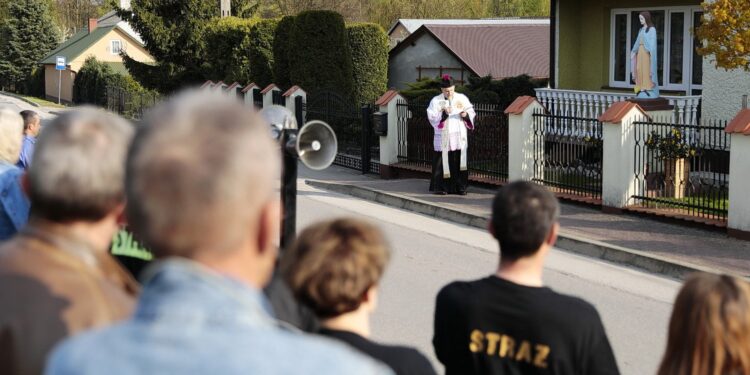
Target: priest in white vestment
451 116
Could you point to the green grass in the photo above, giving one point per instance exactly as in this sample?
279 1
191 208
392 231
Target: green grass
706 205
42 102
124 244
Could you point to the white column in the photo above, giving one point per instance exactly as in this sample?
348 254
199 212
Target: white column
618 164
521 143
739 183
292 99
268 97
389 143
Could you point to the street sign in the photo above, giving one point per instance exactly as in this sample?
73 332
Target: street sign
60 63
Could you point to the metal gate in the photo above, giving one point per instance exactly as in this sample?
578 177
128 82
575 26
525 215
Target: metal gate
357 146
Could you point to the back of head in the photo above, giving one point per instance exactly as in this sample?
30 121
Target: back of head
11 135
334 263
709 332
78 166
523 214
29 118
199 171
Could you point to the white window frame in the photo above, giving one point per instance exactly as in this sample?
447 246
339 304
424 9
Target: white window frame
112 46
687 57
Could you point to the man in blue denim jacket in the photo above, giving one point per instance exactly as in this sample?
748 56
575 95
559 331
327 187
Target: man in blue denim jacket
200 186
14 206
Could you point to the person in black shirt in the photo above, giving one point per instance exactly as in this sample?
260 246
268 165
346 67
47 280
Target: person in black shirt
509 323
334 267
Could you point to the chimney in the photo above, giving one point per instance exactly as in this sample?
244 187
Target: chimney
92 24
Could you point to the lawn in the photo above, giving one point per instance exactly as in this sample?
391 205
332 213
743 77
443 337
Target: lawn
42 102
707 205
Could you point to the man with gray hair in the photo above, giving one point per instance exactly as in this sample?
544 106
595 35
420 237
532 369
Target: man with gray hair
14 206
201 177
32 124
56 275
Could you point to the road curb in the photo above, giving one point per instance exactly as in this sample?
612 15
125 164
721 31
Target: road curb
571 243
21 98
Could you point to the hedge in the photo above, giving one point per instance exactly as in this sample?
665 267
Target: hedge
320 52
369 50
479 89
281 52
228 53
261 52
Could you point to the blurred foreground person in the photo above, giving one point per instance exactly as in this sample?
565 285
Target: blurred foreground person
709 332
509 322
200 187
56 275
335 268
14 206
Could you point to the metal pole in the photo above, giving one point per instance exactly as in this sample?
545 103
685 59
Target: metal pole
59 85
288 190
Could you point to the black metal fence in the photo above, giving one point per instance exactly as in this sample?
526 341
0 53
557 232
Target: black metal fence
358 146
488 143
568 154
682 169
129 104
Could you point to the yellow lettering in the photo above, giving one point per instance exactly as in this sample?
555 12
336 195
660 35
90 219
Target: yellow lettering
492 339
507 346
524 352
540 360
476 344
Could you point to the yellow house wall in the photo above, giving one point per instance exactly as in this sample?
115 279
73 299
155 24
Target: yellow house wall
100 50
584 35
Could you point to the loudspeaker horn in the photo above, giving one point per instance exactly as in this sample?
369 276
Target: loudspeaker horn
316 145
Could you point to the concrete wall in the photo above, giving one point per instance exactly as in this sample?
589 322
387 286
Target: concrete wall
425 51
722 91
585 38
51 77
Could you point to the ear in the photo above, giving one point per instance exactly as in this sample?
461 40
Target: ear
552 236
370 297
119 211
491 227
269 228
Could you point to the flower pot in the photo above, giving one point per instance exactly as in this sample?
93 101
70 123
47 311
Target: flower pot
676 174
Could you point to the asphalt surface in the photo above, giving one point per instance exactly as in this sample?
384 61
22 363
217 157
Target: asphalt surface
429 253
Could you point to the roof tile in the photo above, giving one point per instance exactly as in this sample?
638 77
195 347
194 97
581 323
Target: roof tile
269 88
386 98
520 104
740 124
618 111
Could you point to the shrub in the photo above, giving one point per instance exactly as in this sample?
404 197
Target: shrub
281 54
261 51
369 49
320 52
479 89
34 85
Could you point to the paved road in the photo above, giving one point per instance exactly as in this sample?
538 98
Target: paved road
20 105
429 253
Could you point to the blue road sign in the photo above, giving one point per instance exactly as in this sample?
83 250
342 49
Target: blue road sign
60 63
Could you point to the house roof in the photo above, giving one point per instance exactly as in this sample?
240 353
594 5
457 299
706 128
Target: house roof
740 124
505 50
77 44
413 24
112 19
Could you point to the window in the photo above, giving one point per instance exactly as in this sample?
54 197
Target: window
680 66
115 47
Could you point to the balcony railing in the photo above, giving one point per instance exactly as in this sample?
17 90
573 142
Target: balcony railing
591 104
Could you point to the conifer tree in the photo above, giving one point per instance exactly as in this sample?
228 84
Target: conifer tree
26 36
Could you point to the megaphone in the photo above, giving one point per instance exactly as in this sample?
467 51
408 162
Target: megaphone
316 145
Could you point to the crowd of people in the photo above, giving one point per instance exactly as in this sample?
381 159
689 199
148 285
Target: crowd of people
196 182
